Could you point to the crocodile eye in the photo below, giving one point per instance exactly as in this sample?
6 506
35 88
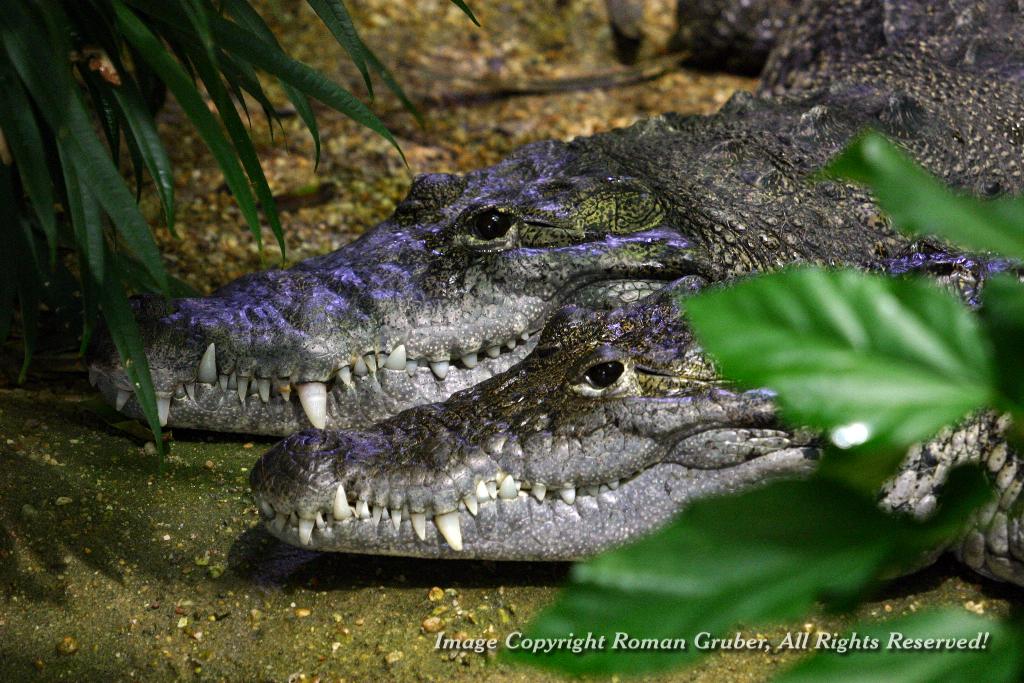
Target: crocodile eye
604 374
492 224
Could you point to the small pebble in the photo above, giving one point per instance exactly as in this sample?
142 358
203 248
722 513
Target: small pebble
394 657
302 612
64 500
432 625
67 646
435 594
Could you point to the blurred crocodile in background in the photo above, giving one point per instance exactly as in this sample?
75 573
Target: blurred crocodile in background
455 286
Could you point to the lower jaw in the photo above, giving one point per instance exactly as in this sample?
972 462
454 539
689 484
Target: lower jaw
524 529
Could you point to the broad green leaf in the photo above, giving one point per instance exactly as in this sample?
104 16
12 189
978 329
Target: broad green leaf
465 8
980 649
879 361
25 142
921 204
759 557
1002 314
249 19
192 103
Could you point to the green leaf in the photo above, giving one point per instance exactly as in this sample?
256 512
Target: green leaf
989 650
87 223
465 8
880 361
192 103
124 332
151 148
921 204
1002 314
49 82
250 20
270 58
25 142
243 143
337 20
759 557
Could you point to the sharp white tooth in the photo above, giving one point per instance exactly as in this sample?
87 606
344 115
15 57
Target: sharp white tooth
233 380
603 488
396 359
319 519
341 508
378 512
493 351
410 367
264 388
359 367
285 389
539 491
190 390
440 369
448 525
222 380
362 509
122 398
396 518
313 397
481 491
371 362
591 490
471 504
613 484
243 387
346 376
208 365
94 376
568 495
469 360
306 531
492 490
510 344
163 409
266 508
525 336
419 524
508 488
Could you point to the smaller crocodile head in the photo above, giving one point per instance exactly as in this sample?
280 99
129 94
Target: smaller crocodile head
449 291
612 423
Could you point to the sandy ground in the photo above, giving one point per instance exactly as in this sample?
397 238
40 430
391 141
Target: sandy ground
111 571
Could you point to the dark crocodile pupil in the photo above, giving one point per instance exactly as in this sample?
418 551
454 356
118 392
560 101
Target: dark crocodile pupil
492 224
605 374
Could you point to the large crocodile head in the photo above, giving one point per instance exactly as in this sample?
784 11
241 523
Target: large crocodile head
447 292
612 424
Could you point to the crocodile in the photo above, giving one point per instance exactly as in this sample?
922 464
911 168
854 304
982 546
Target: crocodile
615 420
614 423
454 287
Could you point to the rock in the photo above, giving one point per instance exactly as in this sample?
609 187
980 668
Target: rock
435 594
432 625
67 646
394 657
